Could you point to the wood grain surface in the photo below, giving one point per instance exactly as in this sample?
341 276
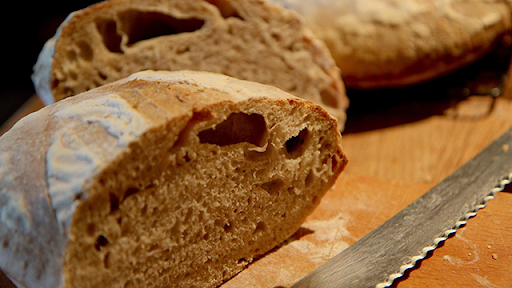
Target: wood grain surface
388 169
390 166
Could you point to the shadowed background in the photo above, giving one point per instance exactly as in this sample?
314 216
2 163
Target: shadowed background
26 27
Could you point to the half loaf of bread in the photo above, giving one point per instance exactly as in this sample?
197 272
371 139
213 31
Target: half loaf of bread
162 179
394 43
247 39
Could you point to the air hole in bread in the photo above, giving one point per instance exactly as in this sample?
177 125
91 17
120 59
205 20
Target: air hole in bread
108 31
227 227
130 191
328 97
309 179
55 83
116 65
295 146
78 196
273 187
100 242
185 134
85 51
139 26
102 75
114 202
276 37
237 128
182 50
153 247
129 284
226 9
186 158
260 227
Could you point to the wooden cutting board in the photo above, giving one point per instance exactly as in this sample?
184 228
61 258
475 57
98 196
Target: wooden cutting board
388 169
390 166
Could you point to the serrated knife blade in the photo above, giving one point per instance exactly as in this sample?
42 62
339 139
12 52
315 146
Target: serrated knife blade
384 254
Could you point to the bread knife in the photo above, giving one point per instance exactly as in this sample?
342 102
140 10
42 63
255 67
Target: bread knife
385 253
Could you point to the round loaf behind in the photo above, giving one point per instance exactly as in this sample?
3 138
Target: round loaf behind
394 43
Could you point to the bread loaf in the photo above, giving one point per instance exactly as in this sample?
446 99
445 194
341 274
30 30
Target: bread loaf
162 179
247 39
394 43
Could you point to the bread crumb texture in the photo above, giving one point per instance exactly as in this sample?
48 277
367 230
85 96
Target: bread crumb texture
401 42
247 39
167 179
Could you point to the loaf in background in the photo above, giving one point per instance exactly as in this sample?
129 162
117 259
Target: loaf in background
390 43
247 39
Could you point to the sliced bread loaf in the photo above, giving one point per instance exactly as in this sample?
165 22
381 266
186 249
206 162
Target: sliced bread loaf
393 43
247 39
163 179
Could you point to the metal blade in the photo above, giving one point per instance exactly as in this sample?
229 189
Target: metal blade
385 253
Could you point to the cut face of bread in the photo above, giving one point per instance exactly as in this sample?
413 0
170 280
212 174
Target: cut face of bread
247 39
177 179
390 43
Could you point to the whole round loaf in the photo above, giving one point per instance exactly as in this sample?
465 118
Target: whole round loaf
162 179
394 43
247 39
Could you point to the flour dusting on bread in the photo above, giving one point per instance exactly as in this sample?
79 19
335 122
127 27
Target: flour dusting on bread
170 178
113 113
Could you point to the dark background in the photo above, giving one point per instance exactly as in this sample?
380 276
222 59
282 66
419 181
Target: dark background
25 28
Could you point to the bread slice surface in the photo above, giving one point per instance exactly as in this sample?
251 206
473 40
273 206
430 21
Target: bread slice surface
168 179
247 39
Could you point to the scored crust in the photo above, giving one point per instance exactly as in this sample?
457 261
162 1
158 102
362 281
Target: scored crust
247 39
163 177
393 43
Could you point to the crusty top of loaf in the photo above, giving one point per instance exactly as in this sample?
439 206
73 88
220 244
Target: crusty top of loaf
251 40
399 42
49 157
120 122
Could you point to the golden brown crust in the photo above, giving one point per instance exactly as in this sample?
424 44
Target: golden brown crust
163 177
396 43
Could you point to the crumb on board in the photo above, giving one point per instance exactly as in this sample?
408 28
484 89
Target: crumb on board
505 148
494 256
